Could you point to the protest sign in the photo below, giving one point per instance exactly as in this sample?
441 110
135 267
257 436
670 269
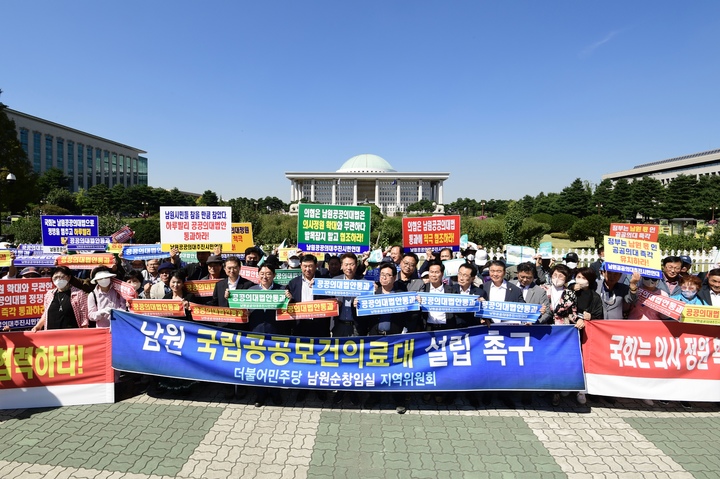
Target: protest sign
333 229
202 288
157 307
665 360
509 311
387 303
57 229
515 254
448 303
22 301
55 368
701 315
498 358
432 232
242 237
635 231
195 228
218 314
85 261
342 287
258 299
630 255
322 308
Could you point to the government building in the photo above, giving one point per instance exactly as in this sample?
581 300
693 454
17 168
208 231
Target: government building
706 163
366 179
87 160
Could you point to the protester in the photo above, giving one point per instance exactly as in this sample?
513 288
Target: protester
638 309
103 298
265 321
671 267
616 297
710 292
689 287
134 278
66 307
161 288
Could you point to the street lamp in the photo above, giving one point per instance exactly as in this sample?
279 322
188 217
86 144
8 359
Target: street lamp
9 179
712 221
145 205
598 206
482 203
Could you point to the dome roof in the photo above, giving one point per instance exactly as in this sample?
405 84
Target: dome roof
366 164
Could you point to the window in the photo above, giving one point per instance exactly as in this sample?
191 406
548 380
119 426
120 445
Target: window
48 152
24 140
60 154
71 163
80 164
37 151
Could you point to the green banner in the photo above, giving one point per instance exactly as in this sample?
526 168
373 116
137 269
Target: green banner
283 276
258 299
333 229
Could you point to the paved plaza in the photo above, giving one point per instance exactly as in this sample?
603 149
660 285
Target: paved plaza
205 435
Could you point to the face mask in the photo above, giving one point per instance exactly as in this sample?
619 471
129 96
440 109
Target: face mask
138 269
689 294
136 286
583 283
60 283
470 258
649 282
105 282
558 283
251 263
294 263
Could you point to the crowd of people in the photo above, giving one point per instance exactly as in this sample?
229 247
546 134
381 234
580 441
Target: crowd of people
567 293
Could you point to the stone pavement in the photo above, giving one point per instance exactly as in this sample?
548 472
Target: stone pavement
204 435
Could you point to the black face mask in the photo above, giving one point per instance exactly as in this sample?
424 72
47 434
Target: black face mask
251 263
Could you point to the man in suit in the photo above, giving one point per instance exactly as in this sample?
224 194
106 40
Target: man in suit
497 288
299 289
531 292
710 292
435 320
465 285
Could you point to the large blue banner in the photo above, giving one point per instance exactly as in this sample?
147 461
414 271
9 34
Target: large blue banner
56 229
532 358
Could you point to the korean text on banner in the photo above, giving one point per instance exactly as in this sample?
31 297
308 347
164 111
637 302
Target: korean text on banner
218 314
387 304
508 311
664 360
242 237
501 357
55 368
258 299
635 231
662 304
333 229
202 288
157 307
195 228
86 261
448 303
56 229
342 287
321 308
701 315
22 301
630 255
143 252
5 258
433 232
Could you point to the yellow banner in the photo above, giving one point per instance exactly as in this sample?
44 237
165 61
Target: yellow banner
632 252
5 259
242 237
701 314
114 248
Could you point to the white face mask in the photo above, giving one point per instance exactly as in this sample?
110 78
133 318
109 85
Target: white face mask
689 294
583 283
105 282
294 263
649 282
558 283
60 283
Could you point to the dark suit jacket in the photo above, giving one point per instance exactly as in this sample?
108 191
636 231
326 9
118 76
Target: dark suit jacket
468 319
265 320
513 293
704 295
449 317
218 297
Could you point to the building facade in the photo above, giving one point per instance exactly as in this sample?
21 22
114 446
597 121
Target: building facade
706 163
366 179
86 159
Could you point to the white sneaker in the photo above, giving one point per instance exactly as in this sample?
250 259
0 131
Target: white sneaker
581 399
649 402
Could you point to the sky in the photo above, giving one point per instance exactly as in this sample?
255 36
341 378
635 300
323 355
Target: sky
508 97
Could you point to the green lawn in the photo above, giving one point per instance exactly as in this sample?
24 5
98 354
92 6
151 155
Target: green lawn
567 244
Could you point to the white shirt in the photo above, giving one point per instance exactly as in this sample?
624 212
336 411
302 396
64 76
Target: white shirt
497 293
715 298
436 317
307 292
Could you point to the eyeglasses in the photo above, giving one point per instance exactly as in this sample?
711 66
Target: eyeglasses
386 275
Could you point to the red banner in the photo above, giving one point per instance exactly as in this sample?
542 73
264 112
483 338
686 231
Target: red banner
85 261
124 289
172 308
633 231
652 360
122 235
22 299
671 308
250 272
218 314
309 309
203 288
432 232
59 367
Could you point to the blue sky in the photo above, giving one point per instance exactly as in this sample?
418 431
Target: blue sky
510 98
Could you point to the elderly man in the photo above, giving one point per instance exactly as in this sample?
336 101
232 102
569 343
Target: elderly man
671 267
162 287
710 292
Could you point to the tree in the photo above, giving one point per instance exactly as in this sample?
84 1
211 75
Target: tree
602 194
513 223
547 204
26 230
647 196
681 197
147 231
562 222
209 198
575 199
708 201
620 203
422 206
53 179
95 201
62 198
593 226
14 197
